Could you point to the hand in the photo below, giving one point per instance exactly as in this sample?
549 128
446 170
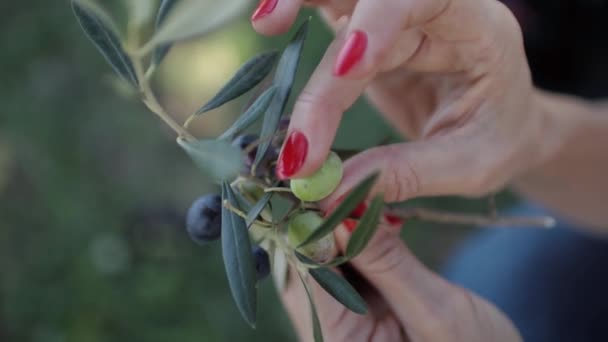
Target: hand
451 75
406 302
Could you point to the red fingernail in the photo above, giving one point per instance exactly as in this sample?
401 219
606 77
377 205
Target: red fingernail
264 8
359 210
393 220
351 53
350 225
293 155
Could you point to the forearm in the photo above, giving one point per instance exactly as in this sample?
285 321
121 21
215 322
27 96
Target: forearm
571 176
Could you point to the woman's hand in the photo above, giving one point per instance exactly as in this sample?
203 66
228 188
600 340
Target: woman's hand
406 301
451 75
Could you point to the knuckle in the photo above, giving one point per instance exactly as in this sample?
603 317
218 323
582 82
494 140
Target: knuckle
402 180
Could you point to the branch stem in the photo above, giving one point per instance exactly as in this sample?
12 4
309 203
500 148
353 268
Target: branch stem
150 100
437 216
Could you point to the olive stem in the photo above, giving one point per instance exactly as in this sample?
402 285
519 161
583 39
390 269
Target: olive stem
257 142
278 189
432 215
238 212
150 100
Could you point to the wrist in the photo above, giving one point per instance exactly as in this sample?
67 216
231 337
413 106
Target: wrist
560 119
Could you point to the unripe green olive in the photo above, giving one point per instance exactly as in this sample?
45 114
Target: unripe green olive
321 183
300 227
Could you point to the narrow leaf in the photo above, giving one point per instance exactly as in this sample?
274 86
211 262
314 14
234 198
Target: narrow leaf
218 159
192 18
366 228
251 115
101 31
340 289
161 51
258 208
350 203
247 76
284 79
238 260
316 324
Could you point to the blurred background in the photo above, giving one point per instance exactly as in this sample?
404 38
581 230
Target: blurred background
93 188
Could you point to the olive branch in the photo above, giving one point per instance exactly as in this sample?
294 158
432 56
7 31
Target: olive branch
256 240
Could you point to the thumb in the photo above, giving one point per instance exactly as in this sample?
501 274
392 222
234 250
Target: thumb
443 165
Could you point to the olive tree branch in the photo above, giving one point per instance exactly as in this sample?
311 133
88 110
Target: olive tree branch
433 215
150 100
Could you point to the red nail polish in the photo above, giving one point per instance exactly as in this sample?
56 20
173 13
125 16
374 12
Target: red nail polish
352 52
264 8
393 220
293 155
350 225
359 210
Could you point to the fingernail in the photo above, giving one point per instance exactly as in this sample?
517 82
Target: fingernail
264 8
352 52
293 155
350 225
359 210
393 220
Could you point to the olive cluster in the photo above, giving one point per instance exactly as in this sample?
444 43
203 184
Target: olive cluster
204 218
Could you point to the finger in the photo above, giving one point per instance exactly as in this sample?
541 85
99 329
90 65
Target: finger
460 163
316 116
385 43
414 294
357 53
273 17
427 306
337 322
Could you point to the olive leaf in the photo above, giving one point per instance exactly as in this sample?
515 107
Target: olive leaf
340 289
247 76
257 209
316 324
192 18
350 203
218 159
366 228
162 50
284 78
238 260
251 114
101 31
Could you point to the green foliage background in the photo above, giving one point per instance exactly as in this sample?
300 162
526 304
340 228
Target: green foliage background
93 189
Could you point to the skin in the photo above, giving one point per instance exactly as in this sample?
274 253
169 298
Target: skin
453 77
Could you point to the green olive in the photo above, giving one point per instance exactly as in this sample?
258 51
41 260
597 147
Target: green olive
300 227
321 183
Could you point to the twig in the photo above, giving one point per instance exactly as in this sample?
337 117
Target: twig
150 100
278 189
476 220
243 215
492 205
261 140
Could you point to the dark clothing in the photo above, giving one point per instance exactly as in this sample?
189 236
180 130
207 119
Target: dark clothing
566 43
553 284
